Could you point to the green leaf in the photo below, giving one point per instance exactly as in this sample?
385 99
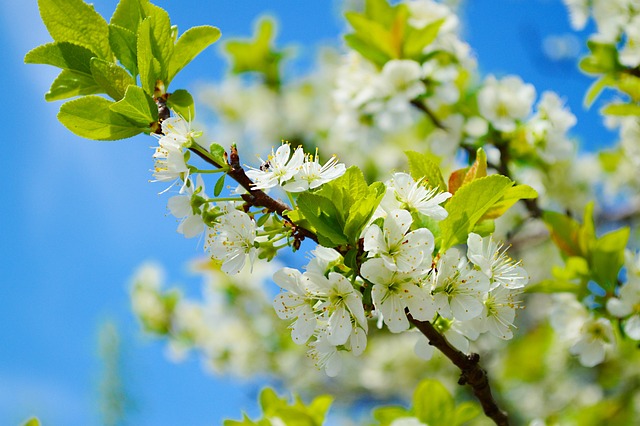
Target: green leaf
319 408
181 102
564 232
270 401
465 412
368 51
76 22
124 45
386 415
257 54
417 39
607 257
63 55
72 83
376 34
137 106
218 153
323 215
380 11
621 109
160 38
432 403
345 190
33 421
597 87
220 186
189 45
468 205
148 65
421 166
512 196
603 58
111 77
362 210
129 14
91 118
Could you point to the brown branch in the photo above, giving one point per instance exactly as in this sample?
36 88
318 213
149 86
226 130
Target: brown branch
503 168
471 372
422 107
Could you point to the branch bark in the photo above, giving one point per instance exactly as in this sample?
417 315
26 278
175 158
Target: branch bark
471 372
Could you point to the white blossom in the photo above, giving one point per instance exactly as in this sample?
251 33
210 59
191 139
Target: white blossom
458 290
340 302
231 241
500 312
311 174
295 303
596 336
399 250
505 101
394 291
405 193
494 262
180 206
326 355
279 167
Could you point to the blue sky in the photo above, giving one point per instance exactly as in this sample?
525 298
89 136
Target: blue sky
78 216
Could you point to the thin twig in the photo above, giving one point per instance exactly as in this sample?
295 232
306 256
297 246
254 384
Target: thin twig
471 372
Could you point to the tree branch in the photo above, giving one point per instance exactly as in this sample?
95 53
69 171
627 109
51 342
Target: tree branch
471 372
422 107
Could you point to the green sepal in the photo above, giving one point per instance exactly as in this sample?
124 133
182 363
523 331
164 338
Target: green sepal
137 106
182 103
63 55
111 77
92 118
72 83
189 45
76 22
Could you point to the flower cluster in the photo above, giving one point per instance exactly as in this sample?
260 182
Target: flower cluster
294 173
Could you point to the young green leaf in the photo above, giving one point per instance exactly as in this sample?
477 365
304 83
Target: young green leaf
257 54
72 83
421 166
465 412
63 55
111 77
433 404
607 257
189 45
129 14
468 205
620 109
148 65
76 22
564 232
160 38
91 118
220 186
323 215
417 39
512 196
182 103
137 106
123 43
375 33
218 154
362 210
